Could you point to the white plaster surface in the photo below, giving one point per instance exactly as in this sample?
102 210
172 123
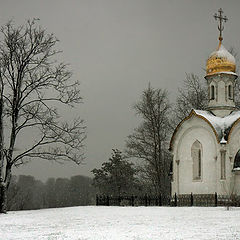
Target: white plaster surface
194 129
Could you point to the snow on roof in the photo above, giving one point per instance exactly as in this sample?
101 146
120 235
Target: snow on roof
222 52
236 169
230 73
223 141
222 125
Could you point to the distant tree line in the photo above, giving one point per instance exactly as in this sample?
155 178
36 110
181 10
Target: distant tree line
25 192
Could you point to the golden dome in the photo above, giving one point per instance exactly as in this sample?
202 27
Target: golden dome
221 61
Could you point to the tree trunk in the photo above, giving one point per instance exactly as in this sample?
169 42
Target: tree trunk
3 188
4 184
3 198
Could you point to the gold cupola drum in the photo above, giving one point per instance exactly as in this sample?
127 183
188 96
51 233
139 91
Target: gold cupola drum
221 61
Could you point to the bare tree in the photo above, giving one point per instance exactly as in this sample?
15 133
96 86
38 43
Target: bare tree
32 86
193 94
149 141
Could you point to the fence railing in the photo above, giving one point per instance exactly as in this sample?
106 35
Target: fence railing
145 200
165 200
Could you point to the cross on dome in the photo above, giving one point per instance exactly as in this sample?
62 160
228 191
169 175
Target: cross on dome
221 18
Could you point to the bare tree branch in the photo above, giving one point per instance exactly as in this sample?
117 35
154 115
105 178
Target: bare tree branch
149 141
32 85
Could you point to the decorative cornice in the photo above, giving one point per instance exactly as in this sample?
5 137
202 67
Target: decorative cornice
221 108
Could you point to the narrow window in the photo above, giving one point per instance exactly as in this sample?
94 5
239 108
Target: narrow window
199 163
230 92
196 152
236 165
212 92
171 171
223 165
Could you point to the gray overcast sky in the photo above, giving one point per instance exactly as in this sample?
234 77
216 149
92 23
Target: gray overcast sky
115 47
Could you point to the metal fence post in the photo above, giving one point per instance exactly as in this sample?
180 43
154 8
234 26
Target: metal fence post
119 201
146 200
132 200
160 199
216 199
191 199
175 199
97 200
108 200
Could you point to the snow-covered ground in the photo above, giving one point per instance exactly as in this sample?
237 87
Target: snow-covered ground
125 223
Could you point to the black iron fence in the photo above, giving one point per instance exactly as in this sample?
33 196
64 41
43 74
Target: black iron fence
145 200
175 200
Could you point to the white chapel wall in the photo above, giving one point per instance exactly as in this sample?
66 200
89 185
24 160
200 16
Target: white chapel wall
234 146
192 130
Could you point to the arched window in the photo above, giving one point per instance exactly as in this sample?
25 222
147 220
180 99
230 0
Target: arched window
212 93
236 166
230 92
196 152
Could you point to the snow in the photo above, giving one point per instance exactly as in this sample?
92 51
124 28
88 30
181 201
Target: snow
122 223
223 141
222 52
236 169
220 124
230 73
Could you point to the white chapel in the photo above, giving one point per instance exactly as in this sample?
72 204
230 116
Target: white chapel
206 144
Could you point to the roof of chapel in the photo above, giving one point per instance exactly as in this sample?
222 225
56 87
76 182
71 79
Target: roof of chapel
221 126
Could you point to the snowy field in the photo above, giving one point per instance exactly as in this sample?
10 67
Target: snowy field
124 223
